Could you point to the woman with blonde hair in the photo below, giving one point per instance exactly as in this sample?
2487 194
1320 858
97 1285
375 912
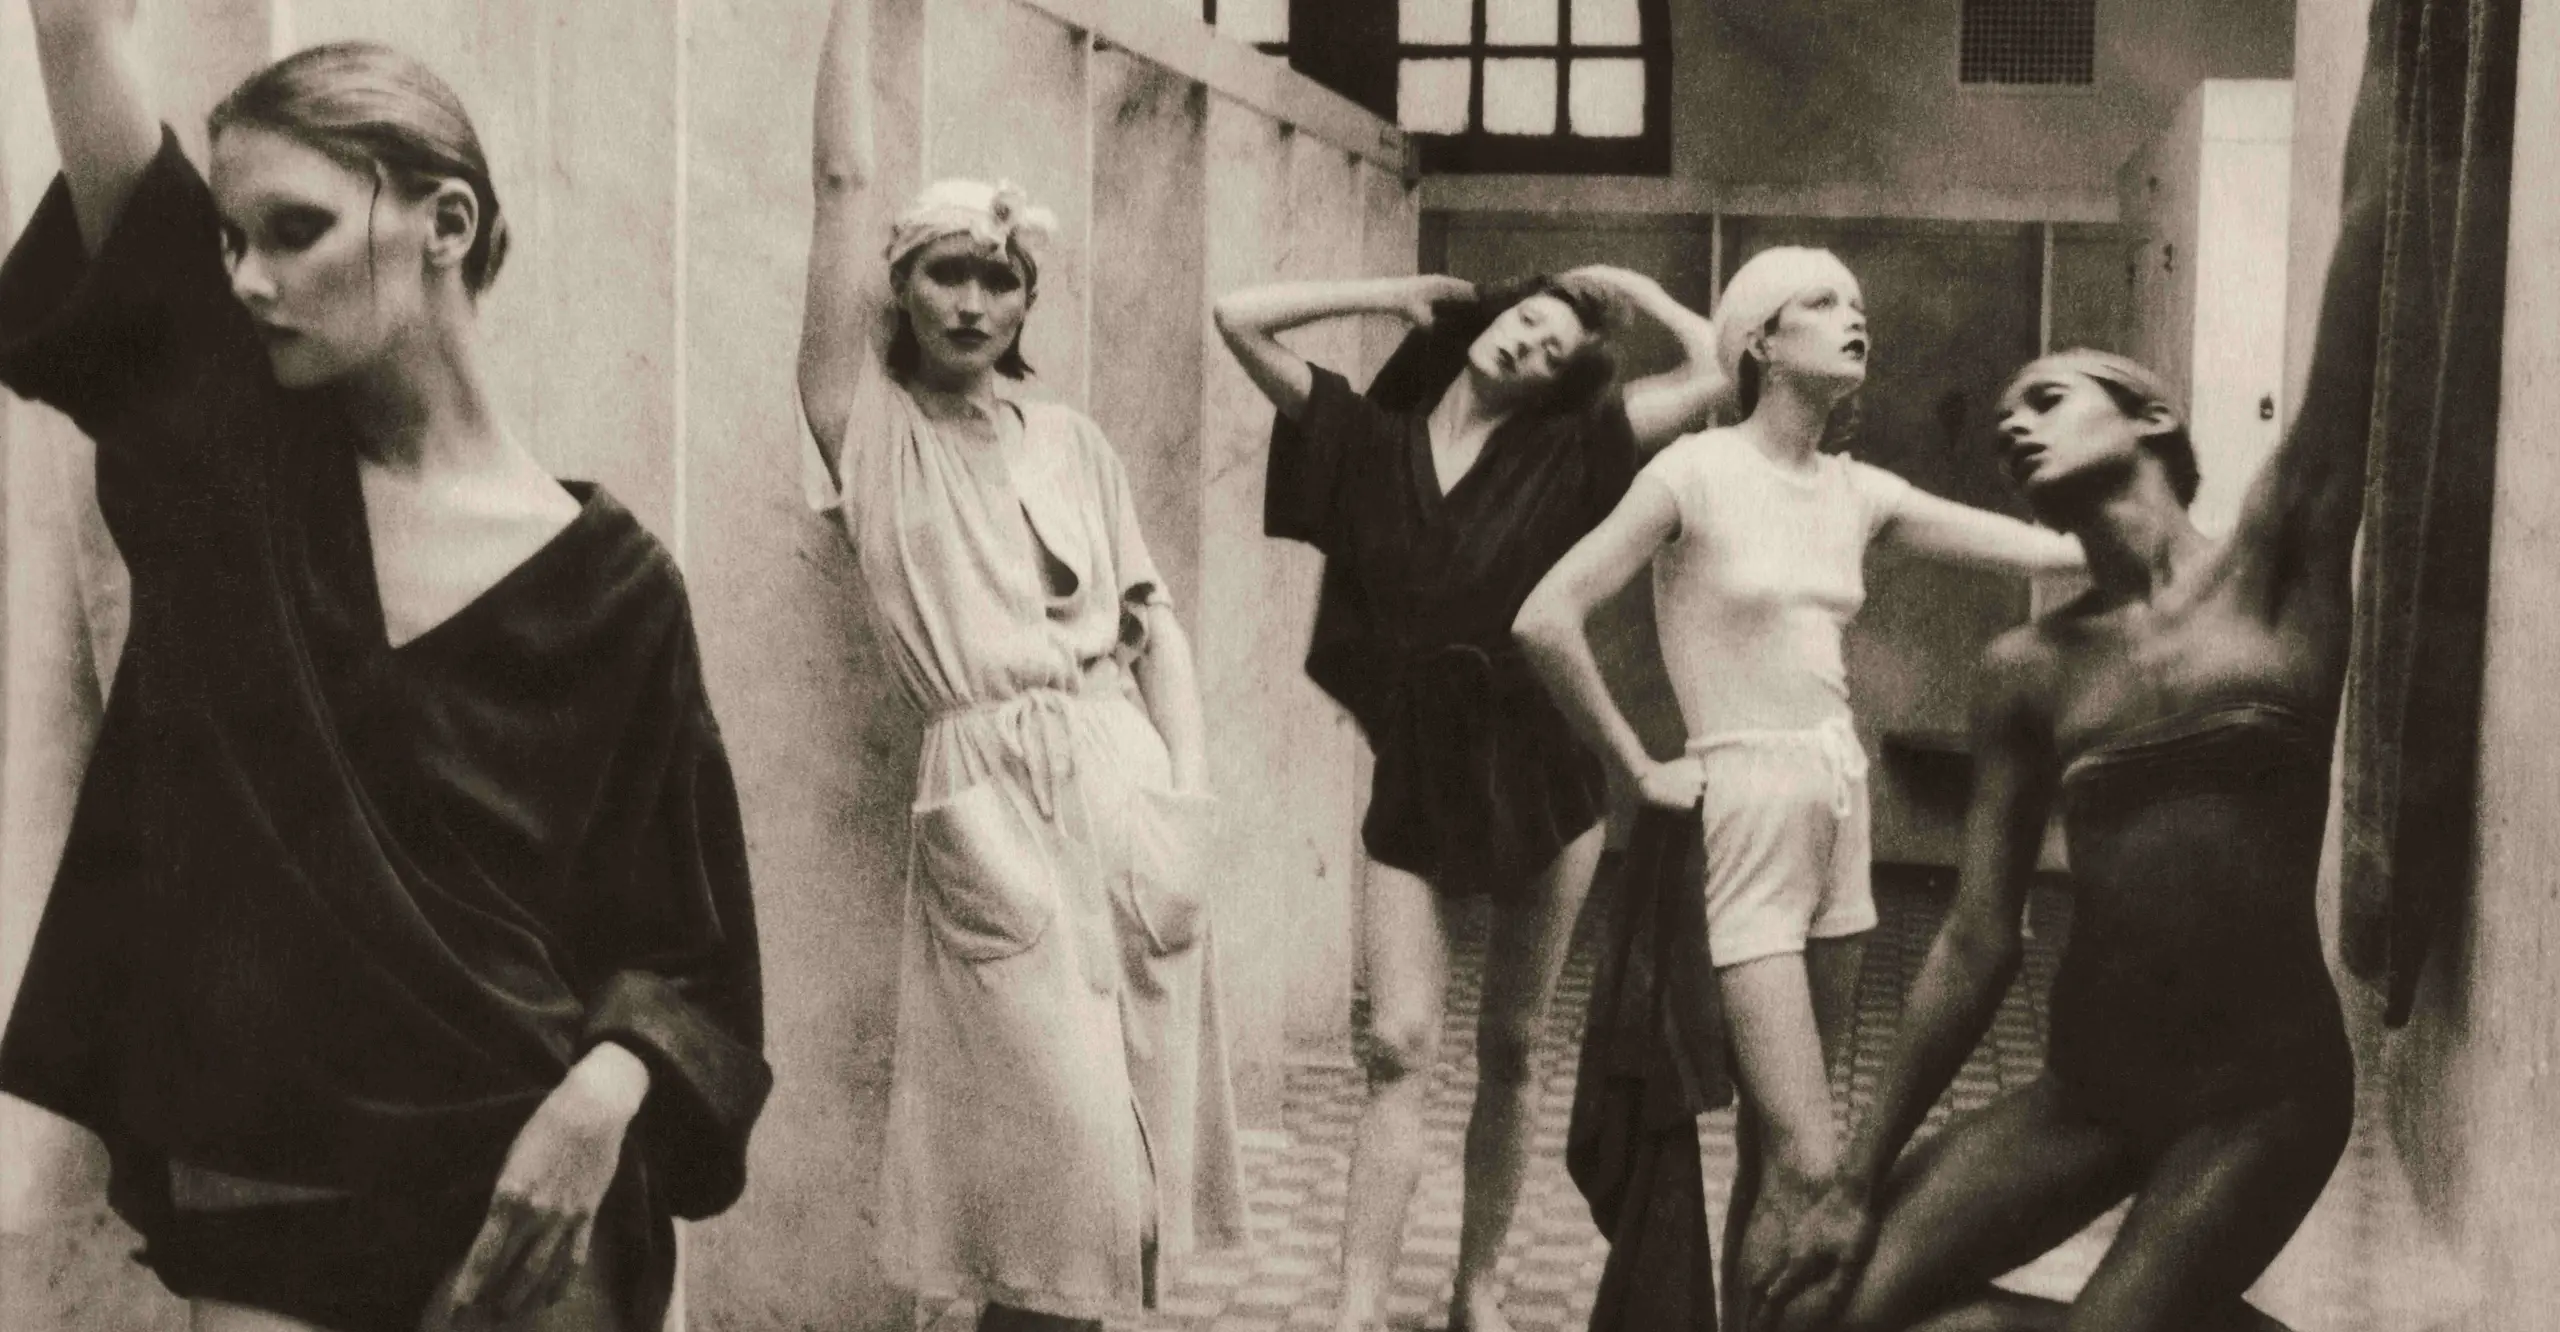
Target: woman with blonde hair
1757 539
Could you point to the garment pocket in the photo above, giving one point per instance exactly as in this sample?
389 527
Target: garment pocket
1169 836
988 877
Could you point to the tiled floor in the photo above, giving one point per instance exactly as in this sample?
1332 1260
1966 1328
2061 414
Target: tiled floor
1291 1275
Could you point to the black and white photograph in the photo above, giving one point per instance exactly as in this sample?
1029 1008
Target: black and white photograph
1279 666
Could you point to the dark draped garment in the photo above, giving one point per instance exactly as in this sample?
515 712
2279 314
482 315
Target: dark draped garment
338 914
1480 780
1653 1060
2439 98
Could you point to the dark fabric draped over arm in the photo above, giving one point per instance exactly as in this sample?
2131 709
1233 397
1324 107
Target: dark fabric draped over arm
1609 441
1652 1061
1310 459
2448 70
142 347
672 937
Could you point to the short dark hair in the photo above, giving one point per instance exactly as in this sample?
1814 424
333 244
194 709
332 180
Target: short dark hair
905 355
1602 312
2175 449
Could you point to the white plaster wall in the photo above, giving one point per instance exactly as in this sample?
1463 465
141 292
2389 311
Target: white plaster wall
2237 357
653 157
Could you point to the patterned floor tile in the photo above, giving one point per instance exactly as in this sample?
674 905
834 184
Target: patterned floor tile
1295 1178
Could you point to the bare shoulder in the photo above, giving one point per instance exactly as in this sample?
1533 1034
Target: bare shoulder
2022 667
2026 652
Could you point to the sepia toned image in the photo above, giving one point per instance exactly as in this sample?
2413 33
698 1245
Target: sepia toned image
1235 665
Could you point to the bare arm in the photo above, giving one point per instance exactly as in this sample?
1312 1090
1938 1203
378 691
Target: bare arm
2297 528
847 290
1962 534
1554 624
1663 407
102 118
1172 688
1250 319
1978 949
1969 967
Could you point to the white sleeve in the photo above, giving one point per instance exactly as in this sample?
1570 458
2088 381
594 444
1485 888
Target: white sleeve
1882 496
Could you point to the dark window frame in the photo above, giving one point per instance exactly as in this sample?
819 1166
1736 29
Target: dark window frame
1563 152
1209 15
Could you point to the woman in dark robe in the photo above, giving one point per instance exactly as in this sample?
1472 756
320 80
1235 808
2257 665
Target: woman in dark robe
2179 713
402 951
1492 441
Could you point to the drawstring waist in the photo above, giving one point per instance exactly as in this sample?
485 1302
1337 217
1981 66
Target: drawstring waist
1844 760
1034 724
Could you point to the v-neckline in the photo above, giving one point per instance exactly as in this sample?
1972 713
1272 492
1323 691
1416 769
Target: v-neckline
588 494
1427 460
1044 547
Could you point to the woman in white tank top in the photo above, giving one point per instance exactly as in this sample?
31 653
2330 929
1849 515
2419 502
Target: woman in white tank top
1757 541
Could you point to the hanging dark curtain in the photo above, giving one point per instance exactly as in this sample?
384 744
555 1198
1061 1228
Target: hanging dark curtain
2444 74
1653 1060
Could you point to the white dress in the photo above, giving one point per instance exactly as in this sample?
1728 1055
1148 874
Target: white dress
1060 1113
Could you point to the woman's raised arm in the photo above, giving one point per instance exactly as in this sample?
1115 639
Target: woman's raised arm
1665 406
102 117
846 287
2297 527
1250 319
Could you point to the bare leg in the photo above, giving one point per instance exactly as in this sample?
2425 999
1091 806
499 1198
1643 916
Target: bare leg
1832 967
2008 1311
1408 968
1993 1191
2219 1205
1523 957
1793 1138
2215 1208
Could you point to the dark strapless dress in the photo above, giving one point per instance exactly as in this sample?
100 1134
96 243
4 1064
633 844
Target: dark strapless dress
2194 986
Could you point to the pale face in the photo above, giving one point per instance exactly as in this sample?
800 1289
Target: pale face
333 267
967 305
1821 336
1527 347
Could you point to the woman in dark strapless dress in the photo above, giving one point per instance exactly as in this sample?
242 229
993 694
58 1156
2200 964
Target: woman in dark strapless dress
2179 715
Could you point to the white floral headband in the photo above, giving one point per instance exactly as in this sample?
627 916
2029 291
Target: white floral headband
995 215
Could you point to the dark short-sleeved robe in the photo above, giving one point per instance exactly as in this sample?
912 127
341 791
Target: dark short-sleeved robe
337 914
1480 780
